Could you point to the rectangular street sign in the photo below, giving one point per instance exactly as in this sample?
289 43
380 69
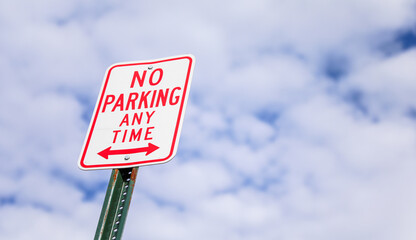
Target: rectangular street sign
138 115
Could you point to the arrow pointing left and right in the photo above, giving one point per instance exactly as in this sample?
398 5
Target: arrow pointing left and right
149 149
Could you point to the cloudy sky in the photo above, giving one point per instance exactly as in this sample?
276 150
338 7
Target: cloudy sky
301 120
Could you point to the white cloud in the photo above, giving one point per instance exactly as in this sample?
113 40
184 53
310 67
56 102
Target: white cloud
271 148
388 85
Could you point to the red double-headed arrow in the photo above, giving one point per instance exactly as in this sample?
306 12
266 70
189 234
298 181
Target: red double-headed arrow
149 149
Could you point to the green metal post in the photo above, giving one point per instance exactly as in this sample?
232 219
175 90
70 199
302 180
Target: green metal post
116 204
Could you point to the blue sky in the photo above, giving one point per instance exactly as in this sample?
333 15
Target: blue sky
300 122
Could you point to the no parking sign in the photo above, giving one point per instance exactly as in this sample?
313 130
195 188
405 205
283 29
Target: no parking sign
138 115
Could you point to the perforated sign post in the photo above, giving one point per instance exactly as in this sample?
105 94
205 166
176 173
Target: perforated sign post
137 121
138 116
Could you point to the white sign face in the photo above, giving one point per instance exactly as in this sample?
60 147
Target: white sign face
138 116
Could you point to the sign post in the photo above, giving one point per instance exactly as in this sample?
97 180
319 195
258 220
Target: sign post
116 204
137 121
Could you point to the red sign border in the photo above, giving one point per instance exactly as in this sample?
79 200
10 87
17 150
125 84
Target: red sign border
98 107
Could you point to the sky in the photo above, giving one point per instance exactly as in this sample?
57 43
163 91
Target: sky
300 124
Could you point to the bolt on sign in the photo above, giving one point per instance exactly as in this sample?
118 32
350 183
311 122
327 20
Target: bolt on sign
138 115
